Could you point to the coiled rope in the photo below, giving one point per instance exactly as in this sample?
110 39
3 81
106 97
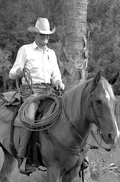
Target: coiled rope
40 124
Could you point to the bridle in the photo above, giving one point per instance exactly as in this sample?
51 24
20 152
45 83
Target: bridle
91 104
97 121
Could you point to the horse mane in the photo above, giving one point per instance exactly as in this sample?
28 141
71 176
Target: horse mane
72 100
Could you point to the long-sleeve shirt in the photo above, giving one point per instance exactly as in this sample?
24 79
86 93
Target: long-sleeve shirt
42 64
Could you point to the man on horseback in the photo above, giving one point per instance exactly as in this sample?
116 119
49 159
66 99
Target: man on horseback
42 64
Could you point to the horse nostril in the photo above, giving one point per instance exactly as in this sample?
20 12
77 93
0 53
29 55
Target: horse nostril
110 137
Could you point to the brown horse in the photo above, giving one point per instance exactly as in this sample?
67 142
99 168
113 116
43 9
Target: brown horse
64 144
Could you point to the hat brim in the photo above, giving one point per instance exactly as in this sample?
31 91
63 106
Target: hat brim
34 29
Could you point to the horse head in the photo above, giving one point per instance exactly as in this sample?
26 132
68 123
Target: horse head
102 102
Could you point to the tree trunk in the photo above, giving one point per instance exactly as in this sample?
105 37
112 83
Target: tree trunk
74 44
74 56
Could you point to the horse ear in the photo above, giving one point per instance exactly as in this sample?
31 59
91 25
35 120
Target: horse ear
97 78
114 79
95 81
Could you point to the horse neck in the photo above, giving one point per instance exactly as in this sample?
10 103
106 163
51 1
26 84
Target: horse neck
72 102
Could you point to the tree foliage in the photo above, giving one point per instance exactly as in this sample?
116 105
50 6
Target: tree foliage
104 41
15 18
103 18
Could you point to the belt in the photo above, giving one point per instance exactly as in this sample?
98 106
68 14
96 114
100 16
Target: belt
41 84
37 86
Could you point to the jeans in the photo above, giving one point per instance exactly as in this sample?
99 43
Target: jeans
25 134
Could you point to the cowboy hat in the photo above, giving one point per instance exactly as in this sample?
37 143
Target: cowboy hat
42 26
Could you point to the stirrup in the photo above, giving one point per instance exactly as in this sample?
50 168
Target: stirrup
22 167
26 169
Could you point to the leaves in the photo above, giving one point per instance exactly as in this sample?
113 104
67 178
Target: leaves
103 23
104 41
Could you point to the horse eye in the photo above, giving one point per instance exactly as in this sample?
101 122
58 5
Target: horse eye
98 101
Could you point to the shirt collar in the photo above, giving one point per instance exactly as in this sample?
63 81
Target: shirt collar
34 45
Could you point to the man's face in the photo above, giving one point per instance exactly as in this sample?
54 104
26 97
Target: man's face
41 39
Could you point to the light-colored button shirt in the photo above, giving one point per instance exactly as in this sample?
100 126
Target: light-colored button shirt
42 64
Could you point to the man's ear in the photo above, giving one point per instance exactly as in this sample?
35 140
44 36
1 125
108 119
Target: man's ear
114 79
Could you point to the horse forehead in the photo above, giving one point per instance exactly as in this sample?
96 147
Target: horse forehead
104 90
107 95
107 90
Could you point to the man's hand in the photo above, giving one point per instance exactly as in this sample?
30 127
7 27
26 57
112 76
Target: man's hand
59 85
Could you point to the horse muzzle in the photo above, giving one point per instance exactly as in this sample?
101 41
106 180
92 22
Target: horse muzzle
107 142
111 138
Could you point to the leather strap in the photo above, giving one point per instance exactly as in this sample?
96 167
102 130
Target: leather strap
11 144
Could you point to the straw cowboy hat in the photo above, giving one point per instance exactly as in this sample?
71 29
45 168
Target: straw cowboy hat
42 26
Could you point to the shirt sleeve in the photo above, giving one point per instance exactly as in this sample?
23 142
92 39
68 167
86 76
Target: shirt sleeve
19 63
56 75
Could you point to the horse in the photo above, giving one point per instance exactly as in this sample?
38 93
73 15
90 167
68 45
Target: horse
64 145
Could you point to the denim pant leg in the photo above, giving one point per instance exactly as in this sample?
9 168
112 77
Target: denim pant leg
25 134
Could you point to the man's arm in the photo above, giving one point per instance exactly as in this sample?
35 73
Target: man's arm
18 64
56 75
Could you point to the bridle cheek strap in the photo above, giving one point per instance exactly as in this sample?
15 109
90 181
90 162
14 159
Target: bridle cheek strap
92 105
97 121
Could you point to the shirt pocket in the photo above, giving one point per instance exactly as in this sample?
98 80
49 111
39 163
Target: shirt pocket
31 64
